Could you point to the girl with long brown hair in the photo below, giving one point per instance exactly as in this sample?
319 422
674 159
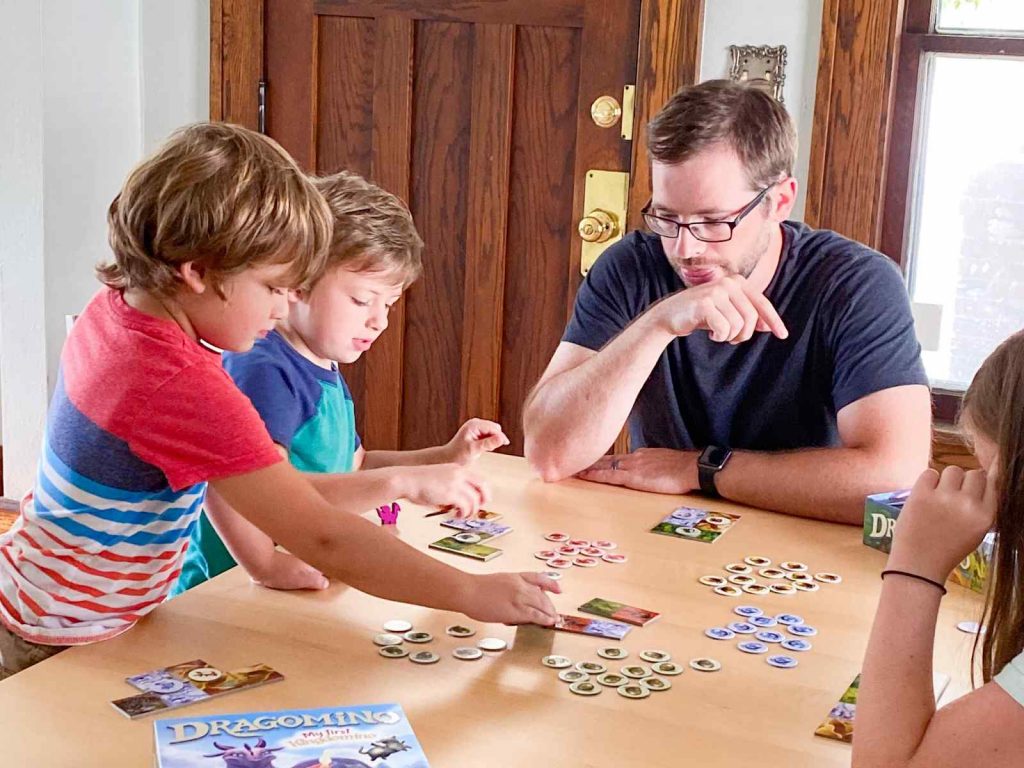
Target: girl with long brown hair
944 520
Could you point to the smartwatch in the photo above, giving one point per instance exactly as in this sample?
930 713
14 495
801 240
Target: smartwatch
711 461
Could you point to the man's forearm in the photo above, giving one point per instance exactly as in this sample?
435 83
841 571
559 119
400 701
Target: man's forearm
824 483
571 419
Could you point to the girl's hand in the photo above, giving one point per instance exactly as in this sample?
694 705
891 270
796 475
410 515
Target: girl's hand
943 521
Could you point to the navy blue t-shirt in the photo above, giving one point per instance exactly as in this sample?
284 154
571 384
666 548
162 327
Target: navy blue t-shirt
851 333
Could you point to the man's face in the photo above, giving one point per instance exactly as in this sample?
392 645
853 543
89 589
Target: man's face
711 186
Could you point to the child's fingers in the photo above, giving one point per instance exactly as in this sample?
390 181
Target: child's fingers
542 581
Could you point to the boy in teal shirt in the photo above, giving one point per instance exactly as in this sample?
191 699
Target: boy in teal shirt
292 377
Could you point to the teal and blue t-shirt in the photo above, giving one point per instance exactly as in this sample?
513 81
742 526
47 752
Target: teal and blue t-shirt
307 409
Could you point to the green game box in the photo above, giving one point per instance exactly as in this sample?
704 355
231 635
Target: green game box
881 511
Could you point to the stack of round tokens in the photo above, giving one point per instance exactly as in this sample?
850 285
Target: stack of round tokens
789 632
788 578
632 681
399 631
565 552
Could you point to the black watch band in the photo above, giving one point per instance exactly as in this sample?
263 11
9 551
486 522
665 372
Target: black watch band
710 462
706 476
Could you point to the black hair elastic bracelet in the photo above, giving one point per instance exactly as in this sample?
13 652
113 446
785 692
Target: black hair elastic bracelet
916 576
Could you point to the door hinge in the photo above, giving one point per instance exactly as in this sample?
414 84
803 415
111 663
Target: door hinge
261 107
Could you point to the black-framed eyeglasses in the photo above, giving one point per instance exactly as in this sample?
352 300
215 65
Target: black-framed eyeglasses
705 231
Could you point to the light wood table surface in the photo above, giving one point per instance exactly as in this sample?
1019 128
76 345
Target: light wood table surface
507 709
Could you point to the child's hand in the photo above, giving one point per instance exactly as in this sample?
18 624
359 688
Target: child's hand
442 485
289 572
474 437
513 598
943 521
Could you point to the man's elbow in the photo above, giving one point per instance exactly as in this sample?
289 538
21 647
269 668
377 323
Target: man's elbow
544 462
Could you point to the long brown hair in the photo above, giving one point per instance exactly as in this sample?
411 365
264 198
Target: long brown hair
993 406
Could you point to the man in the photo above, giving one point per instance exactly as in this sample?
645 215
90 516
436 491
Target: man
756 358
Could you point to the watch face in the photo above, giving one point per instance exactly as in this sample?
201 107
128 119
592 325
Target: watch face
714 456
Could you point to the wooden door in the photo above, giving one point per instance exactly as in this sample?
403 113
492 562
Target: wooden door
478 115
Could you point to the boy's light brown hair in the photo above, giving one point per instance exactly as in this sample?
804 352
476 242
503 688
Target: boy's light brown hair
373 229
755 125
223 197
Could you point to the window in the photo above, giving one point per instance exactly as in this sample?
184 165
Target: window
954 208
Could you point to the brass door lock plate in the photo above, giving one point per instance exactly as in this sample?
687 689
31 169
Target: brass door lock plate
605 197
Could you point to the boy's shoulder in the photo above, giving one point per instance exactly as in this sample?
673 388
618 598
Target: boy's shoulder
273 362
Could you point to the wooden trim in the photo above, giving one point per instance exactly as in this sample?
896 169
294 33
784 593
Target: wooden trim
970 44
920 16
671 32
549 13
236 60
849 142
895 213
390 166
487 220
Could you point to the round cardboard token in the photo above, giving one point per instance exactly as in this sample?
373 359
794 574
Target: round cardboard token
573 676
467 538
738 568
565 549
752 646
556 662
782 662
797 577
609 557
557 536
762 621
667 668
796 644
393 651
591 667
457 630
801 630
635 671
742 628
585 562
604 544
655 683
416 636
828 578
747 611
717 520
742 580
164 685
719 633
467 653
806 586
612 679
782 589
591 551
757 561
768 636
424 657
579 543
755 589
491 644
789 619
634 690
704 664
397 625
387 638
712 581
654 656
553 575
545 554
476 523
560 562
728 590
688 531
793 566
209 674
612 652
970 627
772 573
585 688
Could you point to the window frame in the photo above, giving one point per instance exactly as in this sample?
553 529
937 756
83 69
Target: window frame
917 39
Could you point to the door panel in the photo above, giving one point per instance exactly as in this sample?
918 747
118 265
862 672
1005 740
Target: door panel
477 114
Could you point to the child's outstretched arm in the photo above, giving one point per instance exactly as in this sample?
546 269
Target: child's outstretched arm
285 506
474 437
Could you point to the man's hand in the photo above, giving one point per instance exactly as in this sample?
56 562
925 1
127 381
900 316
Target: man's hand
658 470
474 437
729 308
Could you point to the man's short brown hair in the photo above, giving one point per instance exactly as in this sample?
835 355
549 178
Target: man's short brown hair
373 229
223 197
715 112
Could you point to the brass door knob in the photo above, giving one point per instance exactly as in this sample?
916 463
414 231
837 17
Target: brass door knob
605 111
598 226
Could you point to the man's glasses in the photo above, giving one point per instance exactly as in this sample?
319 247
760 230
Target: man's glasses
705 231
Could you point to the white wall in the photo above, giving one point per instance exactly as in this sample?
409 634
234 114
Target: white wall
87 88
793 23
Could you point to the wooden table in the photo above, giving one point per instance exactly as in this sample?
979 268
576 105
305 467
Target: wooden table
508 710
